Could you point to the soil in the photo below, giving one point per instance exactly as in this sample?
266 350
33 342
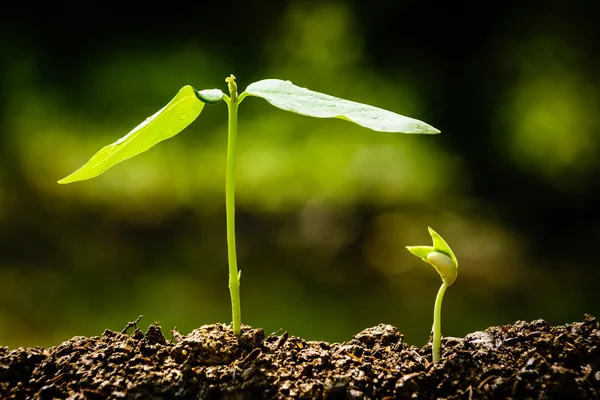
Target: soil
523 360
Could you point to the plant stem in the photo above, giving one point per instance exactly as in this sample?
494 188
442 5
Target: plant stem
437 323
234 277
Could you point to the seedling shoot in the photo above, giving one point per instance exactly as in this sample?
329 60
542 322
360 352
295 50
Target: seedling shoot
185 107
440 257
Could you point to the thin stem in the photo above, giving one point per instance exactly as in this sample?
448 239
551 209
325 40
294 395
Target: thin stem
234 277
437 323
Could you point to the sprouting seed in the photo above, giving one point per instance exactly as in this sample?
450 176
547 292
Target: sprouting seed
440 257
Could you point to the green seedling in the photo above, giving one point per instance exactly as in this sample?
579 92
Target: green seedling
441 257
183 109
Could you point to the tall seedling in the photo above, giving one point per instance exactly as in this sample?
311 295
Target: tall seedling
188 104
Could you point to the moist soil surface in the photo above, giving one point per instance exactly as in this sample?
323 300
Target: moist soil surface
523 360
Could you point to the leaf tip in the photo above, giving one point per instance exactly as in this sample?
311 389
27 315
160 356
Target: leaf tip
64 180
430 130
70 178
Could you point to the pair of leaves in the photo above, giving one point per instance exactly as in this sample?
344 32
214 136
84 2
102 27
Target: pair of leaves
188 104
440 256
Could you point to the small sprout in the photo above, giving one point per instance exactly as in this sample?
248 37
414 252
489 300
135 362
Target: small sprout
187 105
440 257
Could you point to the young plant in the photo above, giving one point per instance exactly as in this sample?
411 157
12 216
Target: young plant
183 109
441 257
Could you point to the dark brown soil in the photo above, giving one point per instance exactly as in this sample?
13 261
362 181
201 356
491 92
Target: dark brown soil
524 360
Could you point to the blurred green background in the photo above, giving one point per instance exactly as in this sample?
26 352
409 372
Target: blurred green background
324 207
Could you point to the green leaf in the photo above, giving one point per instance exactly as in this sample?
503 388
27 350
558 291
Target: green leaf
289 97
167 122
441 246
421 251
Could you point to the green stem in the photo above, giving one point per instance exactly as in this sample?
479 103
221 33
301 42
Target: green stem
234 277
437 323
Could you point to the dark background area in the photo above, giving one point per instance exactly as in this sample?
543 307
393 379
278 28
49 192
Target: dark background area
324 208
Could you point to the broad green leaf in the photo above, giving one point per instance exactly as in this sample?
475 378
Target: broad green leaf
441 246
421 251
167 122
289 97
